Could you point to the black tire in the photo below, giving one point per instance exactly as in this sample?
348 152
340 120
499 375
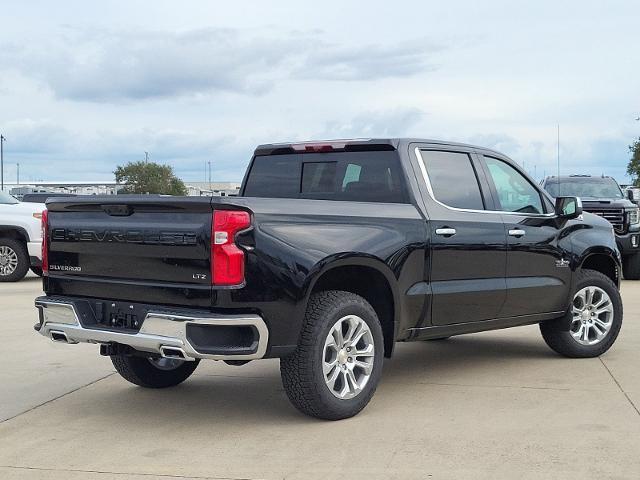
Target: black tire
20 250
631 267
557 335
140 371
302 373
37 271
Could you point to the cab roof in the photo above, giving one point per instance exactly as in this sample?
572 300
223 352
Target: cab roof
354 145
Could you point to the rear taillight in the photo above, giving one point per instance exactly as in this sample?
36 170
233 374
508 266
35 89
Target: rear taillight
45 244
227 260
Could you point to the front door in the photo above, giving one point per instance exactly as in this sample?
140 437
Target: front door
538 275
468 241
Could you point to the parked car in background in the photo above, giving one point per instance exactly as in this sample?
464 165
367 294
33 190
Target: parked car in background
603 196
43 197
20 238
633 194
332 252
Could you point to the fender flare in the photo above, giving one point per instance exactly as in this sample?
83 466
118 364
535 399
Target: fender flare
358 260
20 230
601 250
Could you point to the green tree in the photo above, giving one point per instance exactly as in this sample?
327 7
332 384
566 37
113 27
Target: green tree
633 169
142 177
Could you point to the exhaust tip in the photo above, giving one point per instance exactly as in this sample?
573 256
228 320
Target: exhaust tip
174 353
58 336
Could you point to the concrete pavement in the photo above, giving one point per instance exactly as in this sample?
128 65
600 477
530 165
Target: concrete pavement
491 405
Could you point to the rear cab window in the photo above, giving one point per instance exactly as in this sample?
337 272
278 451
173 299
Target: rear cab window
368 176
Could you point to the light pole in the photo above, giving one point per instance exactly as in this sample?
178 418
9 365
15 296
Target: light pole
558 155
2 140
209 162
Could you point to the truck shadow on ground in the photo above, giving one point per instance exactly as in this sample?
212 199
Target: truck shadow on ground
255 394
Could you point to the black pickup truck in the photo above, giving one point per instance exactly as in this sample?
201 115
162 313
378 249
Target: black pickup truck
333 252
603 196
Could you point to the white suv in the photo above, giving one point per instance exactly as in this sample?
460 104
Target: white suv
20 238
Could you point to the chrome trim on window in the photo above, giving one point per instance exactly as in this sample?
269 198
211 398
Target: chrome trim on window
425 175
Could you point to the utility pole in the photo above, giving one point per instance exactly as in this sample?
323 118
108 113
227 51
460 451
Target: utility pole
209 163
559 184
2 140
18 173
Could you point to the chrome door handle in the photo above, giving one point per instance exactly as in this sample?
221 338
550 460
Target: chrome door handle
447 232
516 232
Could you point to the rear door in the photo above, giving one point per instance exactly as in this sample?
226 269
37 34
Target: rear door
538 275
468 240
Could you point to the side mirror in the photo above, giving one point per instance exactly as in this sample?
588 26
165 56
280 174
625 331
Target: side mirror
631 195
568 207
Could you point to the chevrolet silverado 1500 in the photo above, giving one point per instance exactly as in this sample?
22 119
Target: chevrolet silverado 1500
332 253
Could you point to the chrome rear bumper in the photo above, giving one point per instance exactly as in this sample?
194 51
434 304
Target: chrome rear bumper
163 334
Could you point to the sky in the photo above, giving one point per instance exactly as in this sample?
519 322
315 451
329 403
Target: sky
86 86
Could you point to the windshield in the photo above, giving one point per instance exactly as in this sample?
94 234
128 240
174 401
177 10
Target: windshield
6 199
584 187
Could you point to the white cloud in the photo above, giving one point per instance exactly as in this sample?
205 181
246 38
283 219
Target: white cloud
83 88
116 65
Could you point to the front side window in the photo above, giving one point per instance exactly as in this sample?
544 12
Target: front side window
453 179
515 192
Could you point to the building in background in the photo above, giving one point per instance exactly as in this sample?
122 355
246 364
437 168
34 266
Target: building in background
215 189
101 187
197 189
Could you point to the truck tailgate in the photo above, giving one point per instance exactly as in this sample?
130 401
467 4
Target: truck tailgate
147 249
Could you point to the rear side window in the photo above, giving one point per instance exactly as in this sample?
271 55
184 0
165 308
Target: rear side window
453 179
347 176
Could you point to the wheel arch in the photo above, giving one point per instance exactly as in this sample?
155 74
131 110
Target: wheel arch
368 277
603 260
15 232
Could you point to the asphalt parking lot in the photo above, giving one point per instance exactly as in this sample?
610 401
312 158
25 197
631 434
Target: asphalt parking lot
489 405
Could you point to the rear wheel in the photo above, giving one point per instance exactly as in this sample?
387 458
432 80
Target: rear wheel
631 267
336 368
151 372
14 261
593 321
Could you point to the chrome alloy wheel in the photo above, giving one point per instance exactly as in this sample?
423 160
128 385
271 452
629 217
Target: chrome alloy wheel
8 261
163 363
592 316
348 357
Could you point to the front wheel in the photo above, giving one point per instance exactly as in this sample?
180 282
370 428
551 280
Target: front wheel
593 321
631 267
151 372
336 368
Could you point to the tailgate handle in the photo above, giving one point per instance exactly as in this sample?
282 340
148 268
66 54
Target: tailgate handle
117 210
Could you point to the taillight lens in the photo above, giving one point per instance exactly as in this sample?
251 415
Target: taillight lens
227 260
45 244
